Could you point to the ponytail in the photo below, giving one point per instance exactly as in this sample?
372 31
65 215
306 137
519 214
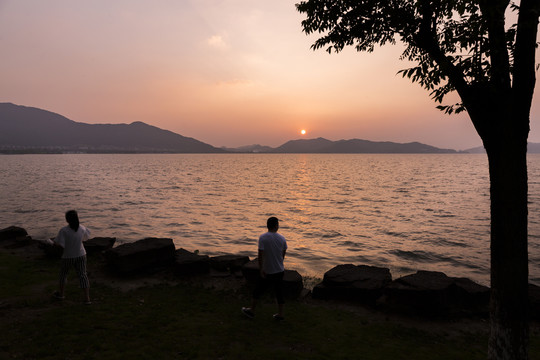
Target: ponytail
73 219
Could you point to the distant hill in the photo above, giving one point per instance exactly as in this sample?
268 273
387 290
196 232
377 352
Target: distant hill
356 146
353 146
476 150
305 146
28 129
250 149
532 148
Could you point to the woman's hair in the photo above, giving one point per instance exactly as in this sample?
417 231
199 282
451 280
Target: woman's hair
73 219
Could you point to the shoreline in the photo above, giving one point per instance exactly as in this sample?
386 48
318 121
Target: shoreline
296 262
426 293
213 304
100 275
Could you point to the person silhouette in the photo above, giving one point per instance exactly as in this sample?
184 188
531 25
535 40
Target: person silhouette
272 249
71 238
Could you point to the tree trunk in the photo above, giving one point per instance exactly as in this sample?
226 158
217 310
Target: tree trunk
509 336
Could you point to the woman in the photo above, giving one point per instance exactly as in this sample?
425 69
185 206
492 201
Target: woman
71 238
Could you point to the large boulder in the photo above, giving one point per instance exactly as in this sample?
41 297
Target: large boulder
230 263
250 270
99 244
358 283
293 283
188 263
14 237
13 233
432 293
143 255
470 296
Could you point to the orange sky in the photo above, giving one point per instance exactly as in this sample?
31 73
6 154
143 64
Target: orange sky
226 72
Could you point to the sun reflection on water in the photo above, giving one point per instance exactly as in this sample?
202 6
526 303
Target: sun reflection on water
405 212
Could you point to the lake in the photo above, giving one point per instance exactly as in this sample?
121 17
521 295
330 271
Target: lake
404 212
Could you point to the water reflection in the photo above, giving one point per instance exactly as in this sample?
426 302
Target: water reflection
405 212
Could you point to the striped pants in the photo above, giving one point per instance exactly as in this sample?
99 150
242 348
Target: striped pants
79 263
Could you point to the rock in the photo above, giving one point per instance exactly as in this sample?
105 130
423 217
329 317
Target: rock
370 277
293 282
99 244
19 242
14 237
423 293
359 283
250 270
13 233
432 293
51 250
187 263
469 295
142 255
426 280
92 246
230 263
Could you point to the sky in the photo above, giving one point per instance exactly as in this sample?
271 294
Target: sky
225 72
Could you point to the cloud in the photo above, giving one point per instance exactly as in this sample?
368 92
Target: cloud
217 41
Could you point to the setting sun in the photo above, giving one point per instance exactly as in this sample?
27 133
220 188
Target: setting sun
303 132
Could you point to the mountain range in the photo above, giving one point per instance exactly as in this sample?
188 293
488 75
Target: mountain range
532 148
353 146
28 129
32 130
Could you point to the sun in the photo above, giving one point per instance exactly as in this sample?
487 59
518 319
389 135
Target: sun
303 132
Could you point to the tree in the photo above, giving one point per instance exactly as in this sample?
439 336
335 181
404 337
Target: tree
465 47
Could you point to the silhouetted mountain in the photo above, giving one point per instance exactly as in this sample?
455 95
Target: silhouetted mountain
532 148
356 146
250 149
28 129
305 146
476 150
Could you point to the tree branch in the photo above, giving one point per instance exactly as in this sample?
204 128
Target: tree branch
524 55
493 11
426 39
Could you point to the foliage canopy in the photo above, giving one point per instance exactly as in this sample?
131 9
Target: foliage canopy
444 38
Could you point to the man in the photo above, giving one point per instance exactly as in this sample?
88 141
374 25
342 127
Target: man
272 248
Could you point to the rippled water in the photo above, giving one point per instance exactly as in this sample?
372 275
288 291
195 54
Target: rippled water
405 212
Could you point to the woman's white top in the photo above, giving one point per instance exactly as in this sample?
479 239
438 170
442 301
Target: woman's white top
72 241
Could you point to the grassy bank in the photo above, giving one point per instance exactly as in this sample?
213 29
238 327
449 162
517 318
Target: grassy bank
186 321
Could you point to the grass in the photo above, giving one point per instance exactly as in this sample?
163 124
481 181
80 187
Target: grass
191 322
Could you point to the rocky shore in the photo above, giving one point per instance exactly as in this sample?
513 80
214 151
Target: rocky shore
425 293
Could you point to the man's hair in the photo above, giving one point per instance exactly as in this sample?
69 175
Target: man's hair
272 222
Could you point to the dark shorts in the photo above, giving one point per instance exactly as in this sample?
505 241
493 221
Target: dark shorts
274 280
